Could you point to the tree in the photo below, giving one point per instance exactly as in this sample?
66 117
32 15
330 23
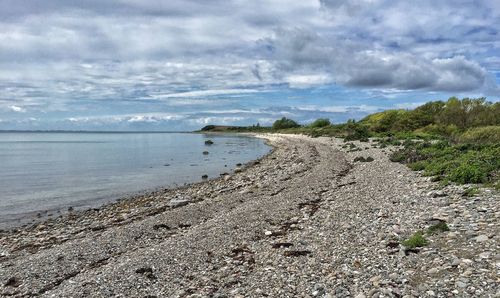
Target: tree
321 122
468 112
429 112
285 123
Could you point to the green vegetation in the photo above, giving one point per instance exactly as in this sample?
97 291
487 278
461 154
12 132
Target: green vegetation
454 141
439 227
235 129
416 240
285 123
321 122
481 135
471 191
362 159
460 163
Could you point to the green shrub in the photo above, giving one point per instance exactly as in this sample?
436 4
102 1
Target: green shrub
416 240
439 227
471 191
285 123
321 122
356 131
481 135
468 174
462 163
362 159
439 130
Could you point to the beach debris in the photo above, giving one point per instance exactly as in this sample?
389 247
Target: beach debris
209 142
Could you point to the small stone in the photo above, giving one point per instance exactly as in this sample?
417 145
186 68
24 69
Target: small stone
461 284
360 295
484 255
433 270
375 280
467 273
455 262
481 238
268 233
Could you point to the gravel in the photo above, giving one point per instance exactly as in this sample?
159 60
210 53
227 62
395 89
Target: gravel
304 221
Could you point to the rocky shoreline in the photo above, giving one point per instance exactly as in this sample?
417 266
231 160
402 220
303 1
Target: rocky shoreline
307 220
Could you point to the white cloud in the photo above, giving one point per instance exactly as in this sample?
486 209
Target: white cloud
130 118
17 109
339 108
216 120
307 81
204 93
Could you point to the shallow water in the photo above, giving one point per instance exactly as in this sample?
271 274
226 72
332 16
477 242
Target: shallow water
51 171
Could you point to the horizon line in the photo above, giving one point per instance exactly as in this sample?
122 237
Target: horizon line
92 131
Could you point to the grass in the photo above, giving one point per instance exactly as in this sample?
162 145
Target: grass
471 191
416 240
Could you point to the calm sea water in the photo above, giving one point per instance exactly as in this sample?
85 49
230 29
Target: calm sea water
53 171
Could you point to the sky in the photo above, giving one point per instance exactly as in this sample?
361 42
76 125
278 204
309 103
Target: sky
180 65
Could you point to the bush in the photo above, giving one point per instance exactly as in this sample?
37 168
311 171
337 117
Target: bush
468 174
440 130
284 123
362 159
321 122
356 131
417 240
439 227
481 135
463 163
471 191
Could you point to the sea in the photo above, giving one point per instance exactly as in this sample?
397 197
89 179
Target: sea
45 172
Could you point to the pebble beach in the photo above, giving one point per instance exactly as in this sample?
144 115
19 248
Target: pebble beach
306 220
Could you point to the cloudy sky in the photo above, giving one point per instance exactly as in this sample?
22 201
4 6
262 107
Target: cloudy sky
182 64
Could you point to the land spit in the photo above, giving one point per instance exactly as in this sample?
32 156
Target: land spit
304 221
